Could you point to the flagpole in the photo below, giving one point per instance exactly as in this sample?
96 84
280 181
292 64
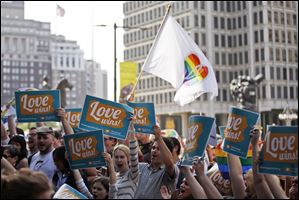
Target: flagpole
149 54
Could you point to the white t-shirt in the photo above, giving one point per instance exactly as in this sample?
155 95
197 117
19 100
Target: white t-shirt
44 163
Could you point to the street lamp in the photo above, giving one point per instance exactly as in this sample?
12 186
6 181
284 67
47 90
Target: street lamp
115 59
287 115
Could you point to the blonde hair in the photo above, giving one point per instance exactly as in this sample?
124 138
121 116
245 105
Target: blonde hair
123 148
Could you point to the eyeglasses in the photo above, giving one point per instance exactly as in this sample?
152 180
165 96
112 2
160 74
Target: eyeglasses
38 164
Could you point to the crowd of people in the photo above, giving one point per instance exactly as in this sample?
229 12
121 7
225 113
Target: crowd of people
142 167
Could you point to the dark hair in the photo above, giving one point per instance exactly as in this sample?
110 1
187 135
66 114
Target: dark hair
104 181
59 154
57 134
177 143
32 128
20 131
168 143
21 140
13 151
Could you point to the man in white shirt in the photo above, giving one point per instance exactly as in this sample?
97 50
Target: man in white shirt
43 159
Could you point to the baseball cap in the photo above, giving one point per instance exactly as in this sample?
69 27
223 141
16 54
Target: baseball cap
45 130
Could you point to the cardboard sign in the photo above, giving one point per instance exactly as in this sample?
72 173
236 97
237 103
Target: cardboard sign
85 149
37 106
223 185
145 117
199 130
68 192
73 116
111 117
237 139
279 154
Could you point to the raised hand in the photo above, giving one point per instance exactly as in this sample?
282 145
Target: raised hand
164 192
254 134
199 166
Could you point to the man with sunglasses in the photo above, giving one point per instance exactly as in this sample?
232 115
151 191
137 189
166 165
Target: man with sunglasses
43 159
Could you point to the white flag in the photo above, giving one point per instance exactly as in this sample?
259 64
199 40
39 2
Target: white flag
60 11
176 58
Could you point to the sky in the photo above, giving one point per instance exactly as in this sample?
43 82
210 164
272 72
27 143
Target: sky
78 24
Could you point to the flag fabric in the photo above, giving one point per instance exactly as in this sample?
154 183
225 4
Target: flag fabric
60 11
176 58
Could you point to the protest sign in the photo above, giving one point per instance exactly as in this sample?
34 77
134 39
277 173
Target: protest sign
145 117
198 133
85 149
279 154
37 106
68 192
236 134
73 116
111 117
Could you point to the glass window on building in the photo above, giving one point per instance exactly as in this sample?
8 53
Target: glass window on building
284 73
224 78
203 21
256 55
215 22
203 39
216 39
222 23
240 40
239 22
291 74
223 42
264 92
221 5
272 73
224 96
241 58
262 54
256 37
269 17
276 18
279 92
229 25
261 17
292 92
278 73
245 39
272 92
215 5
285 92
277 51
255 18
289 37
195 20
223 58
217 58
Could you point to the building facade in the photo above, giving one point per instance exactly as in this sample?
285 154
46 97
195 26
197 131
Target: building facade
96 80
25 50
238 38
68 62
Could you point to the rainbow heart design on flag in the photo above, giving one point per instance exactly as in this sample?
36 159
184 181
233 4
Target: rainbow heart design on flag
194 69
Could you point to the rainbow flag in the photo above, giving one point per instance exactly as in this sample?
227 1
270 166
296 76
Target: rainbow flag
221 159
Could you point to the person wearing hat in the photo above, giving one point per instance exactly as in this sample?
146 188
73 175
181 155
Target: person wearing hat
43 159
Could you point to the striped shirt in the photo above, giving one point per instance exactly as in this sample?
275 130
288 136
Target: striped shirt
126 185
